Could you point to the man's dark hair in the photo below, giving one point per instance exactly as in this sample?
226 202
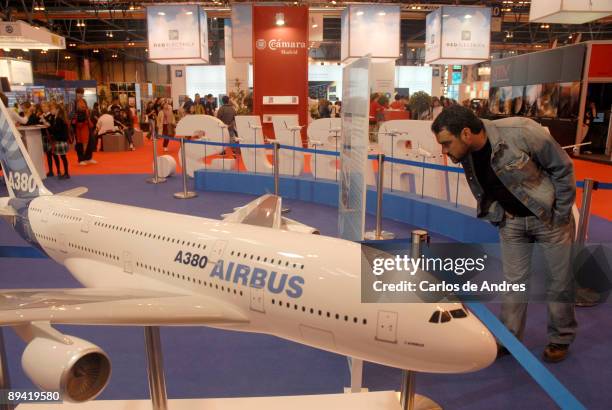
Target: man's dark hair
225 99
455 118
398 97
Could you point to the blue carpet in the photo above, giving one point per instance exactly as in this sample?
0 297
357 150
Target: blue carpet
203 362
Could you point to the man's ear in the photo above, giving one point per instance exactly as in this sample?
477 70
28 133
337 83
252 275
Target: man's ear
466 135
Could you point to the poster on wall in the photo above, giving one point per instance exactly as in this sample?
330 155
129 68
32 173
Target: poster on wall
549 100
178 34
354 149
569 100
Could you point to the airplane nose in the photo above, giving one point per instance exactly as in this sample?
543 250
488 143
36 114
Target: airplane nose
482 352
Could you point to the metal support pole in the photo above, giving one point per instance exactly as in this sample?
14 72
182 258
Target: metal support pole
423 179
293 152
392 156
155 368
356 368
185 194
276 170
585 210
5 382
585 297
378 233
407 394
156 178
457 192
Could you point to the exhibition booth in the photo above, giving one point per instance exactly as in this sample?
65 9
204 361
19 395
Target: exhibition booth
259 247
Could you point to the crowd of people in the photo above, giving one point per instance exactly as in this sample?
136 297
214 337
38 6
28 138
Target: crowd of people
76 124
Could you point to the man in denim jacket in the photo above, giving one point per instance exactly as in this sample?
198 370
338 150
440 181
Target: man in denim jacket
524 184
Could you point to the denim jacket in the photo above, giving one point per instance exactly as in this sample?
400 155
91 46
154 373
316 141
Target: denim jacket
532 166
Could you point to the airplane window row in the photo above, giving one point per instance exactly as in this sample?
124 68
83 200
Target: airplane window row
68 217
265 259
93 251
319 312
149 235
47 238
188 278
445 316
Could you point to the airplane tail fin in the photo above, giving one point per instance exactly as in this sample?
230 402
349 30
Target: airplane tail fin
22 179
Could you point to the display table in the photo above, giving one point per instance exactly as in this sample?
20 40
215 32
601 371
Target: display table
31 135
385 400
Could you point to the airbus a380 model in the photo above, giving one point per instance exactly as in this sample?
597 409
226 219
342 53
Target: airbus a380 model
254 271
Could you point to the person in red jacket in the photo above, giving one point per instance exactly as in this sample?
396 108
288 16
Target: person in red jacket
81 124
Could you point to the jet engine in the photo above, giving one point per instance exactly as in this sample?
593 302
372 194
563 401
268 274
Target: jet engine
79 370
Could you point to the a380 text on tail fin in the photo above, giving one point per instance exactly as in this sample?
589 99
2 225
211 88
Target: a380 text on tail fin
21 177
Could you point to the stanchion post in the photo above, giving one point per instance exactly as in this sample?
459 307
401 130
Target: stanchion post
378 233
423 178
585 210
276 159
457 192
155 368
185 194
156 178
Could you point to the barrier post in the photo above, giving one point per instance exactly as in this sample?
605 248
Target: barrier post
156 178
378 233
585 297
336 135
185 194
457 193
276 169
155 368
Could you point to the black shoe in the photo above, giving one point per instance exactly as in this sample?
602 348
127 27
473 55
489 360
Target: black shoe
64 176
555 352
50 174
502 351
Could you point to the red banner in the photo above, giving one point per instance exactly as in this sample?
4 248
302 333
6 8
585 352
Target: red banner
280 62
600 61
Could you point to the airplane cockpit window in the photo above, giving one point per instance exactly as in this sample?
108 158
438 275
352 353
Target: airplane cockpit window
458 313
445 317
435 317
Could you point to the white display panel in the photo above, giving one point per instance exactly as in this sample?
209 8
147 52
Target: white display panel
242 27
568 11
206 79
372 29
178 34
18 72
415 78
458 35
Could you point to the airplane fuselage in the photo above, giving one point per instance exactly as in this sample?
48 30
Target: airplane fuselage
300 287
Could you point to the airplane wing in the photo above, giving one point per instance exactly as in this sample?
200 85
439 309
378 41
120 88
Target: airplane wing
74 192
95 306
266 211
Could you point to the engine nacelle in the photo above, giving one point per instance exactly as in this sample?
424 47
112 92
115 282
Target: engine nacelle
79 371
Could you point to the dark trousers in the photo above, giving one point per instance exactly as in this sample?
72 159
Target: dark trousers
85 153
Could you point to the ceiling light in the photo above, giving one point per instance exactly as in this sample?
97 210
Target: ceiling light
95 50
333 2
359 13
280 19
315 25
27 49
7 49
382 13
189 13
161 13
570 36
467 16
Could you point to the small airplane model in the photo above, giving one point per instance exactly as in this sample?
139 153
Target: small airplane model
254 271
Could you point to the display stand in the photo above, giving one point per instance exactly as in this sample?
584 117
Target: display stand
32 138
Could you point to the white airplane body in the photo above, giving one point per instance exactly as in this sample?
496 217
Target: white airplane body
255 271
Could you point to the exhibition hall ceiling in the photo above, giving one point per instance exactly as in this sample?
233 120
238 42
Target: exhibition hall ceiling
105 26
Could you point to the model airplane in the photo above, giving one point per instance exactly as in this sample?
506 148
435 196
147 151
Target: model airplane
254 271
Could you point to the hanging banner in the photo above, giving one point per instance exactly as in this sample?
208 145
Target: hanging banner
178 34
280 63
372 29
458 35
568 11
354 149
